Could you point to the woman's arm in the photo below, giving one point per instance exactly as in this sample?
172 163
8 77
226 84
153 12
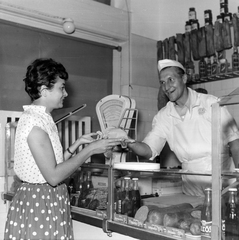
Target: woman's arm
84 139
42 151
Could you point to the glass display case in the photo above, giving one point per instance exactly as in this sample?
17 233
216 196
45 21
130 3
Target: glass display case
141 226
107 215
111 221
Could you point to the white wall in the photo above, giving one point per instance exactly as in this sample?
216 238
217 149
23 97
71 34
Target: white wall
159 19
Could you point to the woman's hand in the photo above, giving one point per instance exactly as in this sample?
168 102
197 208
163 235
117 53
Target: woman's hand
104 145
87 138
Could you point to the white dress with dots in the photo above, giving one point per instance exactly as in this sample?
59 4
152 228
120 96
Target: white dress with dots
38 210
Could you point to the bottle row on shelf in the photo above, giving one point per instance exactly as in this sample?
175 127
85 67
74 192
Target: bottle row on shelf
214 68
127 198
192 23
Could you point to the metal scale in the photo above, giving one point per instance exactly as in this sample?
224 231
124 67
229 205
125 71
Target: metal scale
116 111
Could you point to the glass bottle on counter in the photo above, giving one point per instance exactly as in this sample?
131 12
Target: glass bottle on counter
79 184
235 59
224 203
71 186
80 188
89 184
120 196
136 198
127 202
206 215
86 185
232 221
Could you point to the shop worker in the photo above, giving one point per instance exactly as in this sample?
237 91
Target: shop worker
186 124
40 208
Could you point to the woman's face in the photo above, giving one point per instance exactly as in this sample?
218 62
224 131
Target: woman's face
173 85
57 94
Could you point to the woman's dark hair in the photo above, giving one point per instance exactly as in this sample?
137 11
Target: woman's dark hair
43 71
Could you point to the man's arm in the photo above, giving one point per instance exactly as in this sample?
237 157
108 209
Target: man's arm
141 149
234 148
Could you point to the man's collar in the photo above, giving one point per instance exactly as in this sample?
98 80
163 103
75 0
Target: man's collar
192 101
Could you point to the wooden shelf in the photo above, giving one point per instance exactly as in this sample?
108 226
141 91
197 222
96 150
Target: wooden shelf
219 77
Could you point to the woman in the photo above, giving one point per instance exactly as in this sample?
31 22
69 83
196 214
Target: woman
40 208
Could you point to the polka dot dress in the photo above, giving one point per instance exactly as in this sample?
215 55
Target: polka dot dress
39 212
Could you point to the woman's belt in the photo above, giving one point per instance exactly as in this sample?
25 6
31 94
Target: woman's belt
46 183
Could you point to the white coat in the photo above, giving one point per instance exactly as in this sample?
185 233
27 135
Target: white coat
191 139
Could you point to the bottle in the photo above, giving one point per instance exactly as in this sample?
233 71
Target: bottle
79 184
223 7
235 59
89 184
214 66
232 221
224 204
120 197
192 15
189 66
220 18
79 188
202 68
136 198
71 186
227 16
206 215
127 203
119 194
72 191
188 26
195 24
208 17
209 67
223 66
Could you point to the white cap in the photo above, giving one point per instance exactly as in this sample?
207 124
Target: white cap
169 63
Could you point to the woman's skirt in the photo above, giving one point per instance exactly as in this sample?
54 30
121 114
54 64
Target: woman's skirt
39 211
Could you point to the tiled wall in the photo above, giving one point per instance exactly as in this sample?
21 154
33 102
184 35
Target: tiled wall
146 103
222 88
